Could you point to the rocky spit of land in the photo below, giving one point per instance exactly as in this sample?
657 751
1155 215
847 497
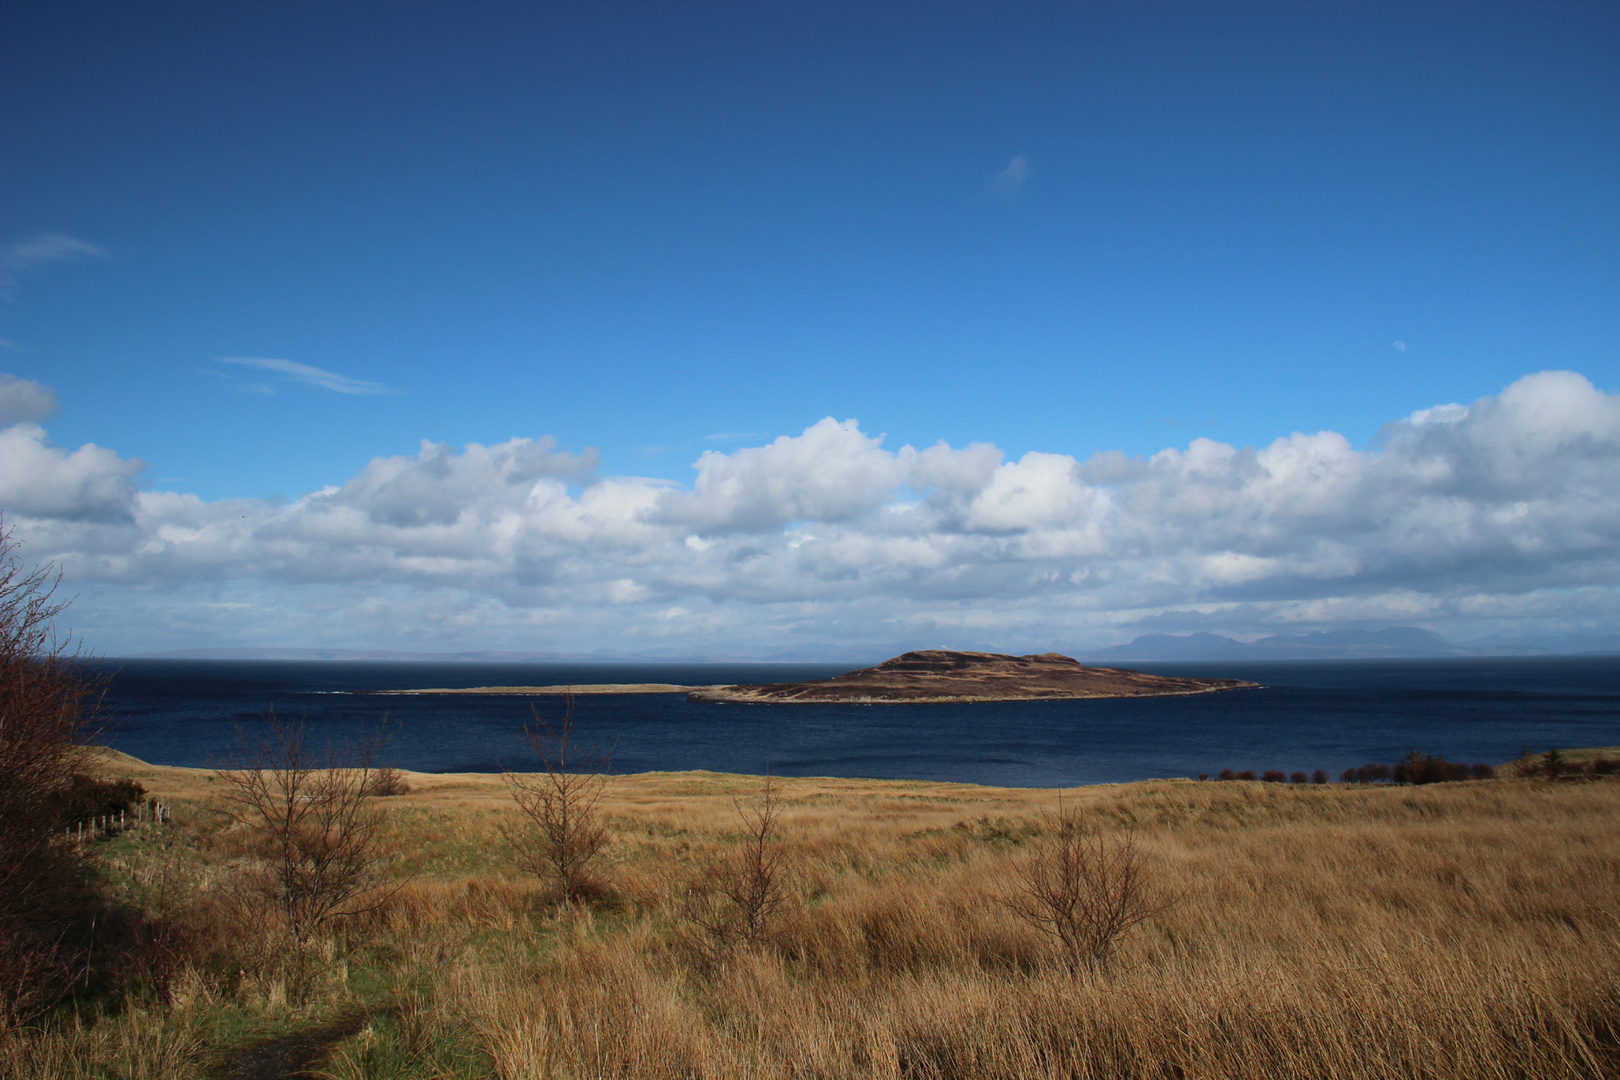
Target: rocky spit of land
940 676
586 688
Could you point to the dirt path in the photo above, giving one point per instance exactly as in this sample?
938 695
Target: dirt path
291 1057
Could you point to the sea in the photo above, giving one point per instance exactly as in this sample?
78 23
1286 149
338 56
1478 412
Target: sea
1307 715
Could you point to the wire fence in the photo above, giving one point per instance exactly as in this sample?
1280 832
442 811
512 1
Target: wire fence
104 826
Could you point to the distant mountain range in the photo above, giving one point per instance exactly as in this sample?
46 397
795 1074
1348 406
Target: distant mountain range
1345 644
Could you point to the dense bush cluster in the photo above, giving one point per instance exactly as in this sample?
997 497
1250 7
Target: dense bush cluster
1415 768
1420 768
84 798
1554 766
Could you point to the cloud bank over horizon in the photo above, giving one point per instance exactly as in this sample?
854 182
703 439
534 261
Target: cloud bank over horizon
1495 517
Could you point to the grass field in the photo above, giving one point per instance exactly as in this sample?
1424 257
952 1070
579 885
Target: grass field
1451 930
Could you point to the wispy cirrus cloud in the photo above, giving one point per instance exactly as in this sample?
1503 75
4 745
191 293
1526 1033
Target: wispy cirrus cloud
25 256
43 248
307 375
1010 181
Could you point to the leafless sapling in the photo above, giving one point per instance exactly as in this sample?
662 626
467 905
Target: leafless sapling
755 877
316 833
564 833
1085 890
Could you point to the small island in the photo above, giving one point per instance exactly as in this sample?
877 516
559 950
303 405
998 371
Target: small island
941 676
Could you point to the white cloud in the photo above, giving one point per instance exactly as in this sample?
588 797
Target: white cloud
44 248
38 480
832 472
24 399
1497 510
306 374
1011 179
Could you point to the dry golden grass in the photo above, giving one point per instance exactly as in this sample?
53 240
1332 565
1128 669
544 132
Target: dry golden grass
1454 930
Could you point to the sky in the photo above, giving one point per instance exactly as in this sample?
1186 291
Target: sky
692 329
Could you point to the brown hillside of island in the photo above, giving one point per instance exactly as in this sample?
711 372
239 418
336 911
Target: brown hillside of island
940 676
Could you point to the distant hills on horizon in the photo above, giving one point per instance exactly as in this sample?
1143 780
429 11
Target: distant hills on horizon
1407 642
1395 642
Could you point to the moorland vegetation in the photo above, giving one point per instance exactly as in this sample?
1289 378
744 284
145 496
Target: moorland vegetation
862 928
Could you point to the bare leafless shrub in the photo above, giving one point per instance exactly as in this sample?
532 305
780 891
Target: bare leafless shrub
1085 890
314 835
752 880
48 706
1298 777
564 832
387 780
1274 776
1320 776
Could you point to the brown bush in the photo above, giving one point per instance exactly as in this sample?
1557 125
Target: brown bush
314 834
1084 890
387 780
564 833
753 878
47 707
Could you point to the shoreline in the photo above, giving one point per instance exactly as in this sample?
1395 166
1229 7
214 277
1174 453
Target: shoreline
736 695
721 696
128 764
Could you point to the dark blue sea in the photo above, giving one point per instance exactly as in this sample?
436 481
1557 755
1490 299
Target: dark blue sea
1310 714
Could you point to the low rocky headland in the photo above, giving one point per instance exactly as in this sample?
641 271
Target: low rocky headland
942 676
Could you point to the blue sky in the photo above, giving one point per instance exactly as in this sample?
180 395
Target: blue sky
654 231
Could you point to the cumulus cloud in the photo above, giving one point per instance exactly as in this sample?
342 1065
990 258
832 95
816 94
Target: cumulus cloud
308 375
1459 512
38 480
24 399
832 472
